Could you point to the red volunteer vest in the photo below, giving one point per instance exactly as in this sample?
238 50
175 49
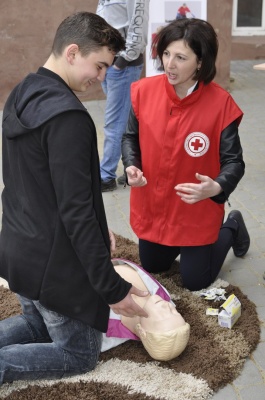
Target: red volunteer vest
177 139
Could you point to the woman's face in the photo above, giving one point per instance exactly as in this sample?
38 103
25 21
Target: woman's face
180 64
162 315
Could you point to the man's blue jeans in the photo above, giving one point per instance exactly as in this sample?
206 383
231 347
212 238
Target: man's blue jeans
42 344
117 88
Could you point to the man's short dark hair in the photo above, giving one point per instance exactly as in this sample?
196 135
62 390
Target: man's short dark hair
89 31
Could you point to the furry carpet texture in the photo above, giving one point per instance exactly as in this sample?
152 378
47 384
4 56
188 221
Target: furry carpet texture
213 358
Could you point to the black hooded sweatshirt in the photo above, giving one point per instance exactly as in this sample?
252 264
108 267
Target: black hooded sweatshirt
54 243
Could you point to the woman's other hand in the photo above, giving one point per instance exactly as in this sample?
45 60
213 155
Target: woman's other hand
191 193
135 176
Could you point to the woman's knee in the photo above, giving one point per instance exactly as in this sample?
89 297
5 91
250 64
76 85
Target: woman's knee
195 283
155 257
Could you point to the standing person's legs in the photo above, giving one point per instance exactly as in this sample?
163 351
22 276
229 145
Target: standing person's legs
116 87
28 353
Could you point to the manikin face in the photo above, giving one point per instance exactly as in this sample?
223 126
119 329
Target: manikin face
83 71
180 64
162 315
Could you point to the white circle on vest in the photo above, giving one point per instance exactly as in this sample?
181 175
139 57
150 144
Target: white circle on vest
196 144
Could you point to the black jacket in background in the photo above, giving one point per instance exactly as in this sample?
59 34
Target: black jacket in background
54 244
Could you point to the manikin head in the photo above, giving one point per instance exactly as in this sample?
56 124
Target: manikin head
164 334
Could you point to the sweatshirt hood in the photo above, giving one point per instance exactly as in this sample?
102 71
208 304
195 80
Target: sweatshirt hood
31 104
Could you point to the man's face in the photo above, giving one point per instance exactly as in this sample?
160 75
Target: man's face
85 70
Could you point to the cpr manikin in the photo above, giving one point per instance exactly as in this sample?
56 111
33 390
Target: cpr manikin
164 333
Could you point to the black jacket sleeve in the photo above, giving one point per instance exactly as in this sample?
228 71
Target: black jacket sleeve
231 160
131 153
70 139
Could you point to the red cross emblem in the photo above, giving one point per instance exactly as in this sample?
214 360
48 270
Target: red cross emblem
196 144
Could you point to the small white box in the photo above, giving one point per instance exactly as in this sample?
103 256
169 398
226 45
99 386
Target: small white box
230 313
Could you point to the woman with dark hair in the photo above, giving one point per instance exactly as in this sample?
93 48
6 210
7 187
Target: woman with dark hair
183 158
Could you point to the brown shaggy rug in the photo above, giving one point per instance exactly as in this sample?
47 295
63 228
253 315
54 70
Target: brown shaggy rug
213 358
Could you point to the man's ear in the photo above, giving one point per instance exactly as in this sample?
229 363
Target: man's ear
140 331
71 52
